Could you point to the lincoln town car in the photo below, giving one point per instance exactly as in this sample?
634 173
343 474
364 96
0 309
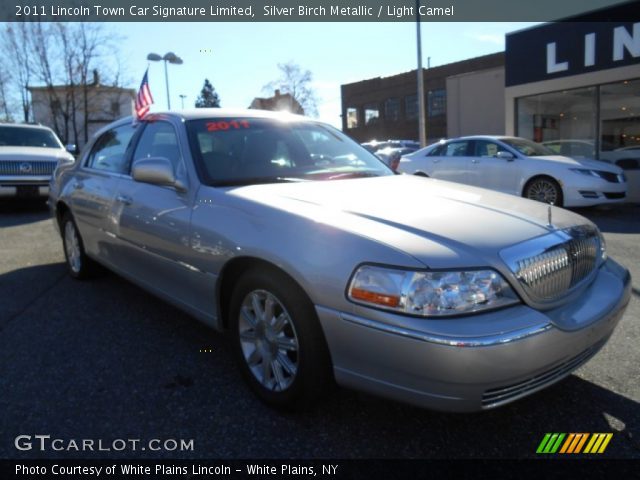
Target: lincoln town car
324 266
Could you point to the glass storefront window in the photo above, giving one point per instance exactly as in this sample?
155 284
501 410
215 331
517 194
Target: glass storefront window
620 123
564 121
567 122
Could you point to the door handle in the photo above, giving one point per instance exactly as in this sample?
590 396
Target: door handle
475 160
124 199
78 185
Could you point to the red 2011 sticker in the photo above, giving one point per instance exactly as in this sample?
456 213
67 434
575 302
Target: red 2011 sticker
223 125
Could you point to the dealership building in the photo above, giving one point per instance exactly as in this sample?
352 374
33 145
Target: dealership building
574 86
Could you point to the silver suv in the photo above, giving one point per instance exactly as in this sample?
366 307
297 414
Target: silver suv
28 156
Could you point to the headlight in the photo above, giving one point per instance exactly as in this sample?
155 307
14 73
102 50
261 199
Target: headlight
603 246
587 172
430 293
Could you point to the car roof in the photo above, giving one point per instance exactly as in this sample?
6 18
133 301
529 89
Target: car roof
481 137
199 113
25 125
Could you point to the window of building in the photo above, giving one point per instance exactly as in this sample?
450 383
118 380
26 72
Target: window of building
115 109
620 123
352 117
565 120
411 107
437 103
392 109
371 114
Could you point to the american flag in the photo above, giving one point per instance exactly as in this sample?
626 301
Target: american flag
144 98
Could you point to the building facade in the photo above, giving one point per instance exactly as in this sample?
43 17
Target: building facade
384 108
62 108
577 90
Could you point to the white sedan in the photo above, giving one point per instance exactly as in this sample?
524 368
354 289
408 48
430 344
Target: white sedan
519 167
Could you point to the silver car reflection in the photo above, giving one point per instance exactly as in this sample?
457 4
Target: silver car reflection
326 266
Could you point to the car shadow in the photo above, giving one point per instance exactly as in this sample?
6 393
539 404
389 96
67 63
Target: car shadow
15 212
623 218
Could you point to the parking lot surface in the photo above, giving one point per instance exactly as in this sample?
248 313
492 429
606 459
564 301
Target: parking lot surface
105 360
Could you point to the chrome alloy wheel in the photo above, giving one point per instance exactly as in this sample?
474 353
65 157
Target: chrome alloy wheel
543 190
72 247
268 340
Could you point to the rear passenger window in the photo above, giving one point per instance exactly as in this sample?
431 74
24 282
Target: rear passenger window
108 153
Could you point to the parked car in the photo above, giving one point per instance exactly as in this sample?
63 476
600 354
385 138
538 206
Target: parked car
519 167
279 229
391 155
28 156
375 146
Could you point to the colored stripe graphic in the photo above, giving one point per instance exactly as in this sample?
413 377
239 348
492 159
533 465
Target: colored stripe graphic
574 443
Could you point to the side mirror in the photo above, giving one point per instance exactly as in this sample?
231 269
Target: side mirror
155 170
72 148
508 156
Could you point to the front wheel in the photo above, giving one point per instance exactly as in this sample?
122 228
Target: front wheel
544 189
278 341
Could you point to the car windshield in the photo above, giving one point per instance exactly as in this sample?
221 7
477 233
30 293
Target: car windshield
28 137
527 147
244 151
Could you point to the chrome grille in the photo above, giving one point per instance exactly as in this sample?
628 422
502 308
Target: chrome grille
549 267
19 168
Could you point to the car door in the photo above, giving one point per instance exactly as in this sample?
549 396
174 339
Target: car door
450 161
152 221
488 171
94 185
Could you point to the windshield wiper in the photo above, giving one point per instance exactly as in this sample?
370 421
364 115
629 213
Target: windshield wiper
235 182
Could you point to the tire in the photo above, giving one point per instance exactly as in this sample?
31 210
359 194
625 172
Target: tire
79 265
544 189
277 340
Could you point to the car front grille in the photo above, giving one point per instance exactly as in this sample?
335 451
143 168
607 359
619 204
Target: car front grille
614 195
27 168
610 176
548 268
502 395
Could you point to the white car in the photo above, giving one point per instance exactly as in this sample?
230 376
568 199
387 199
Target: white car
28 156
519 167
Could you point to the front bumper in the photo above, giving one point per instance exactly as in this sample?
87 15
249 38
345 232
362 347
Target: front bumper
475 362
594 192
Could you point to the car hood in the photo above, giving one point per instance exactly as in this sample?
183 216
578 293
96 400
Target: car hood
22 154
579 162
442 224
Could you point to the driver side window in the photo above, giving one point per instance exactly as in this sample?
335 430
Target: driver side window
484 148
159 139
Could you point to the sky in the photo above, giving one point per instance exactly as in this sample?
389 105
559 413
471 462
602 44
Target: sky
240 58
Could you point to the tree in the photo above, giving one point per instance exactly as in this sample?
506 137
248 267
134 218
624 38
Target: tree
61 59
297 83
208 97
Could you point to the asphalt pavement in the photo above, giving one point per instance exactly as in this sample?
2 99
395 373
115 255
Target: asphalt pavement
103 359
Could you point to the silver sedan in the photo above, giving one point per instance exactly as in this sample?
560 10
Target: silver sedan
326 266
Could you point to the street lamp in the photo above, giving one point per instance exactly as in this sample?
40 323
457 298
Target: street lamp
168 57
182 97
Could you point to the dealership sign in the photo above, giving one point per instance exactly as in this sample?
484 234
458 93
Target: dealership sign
570 48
